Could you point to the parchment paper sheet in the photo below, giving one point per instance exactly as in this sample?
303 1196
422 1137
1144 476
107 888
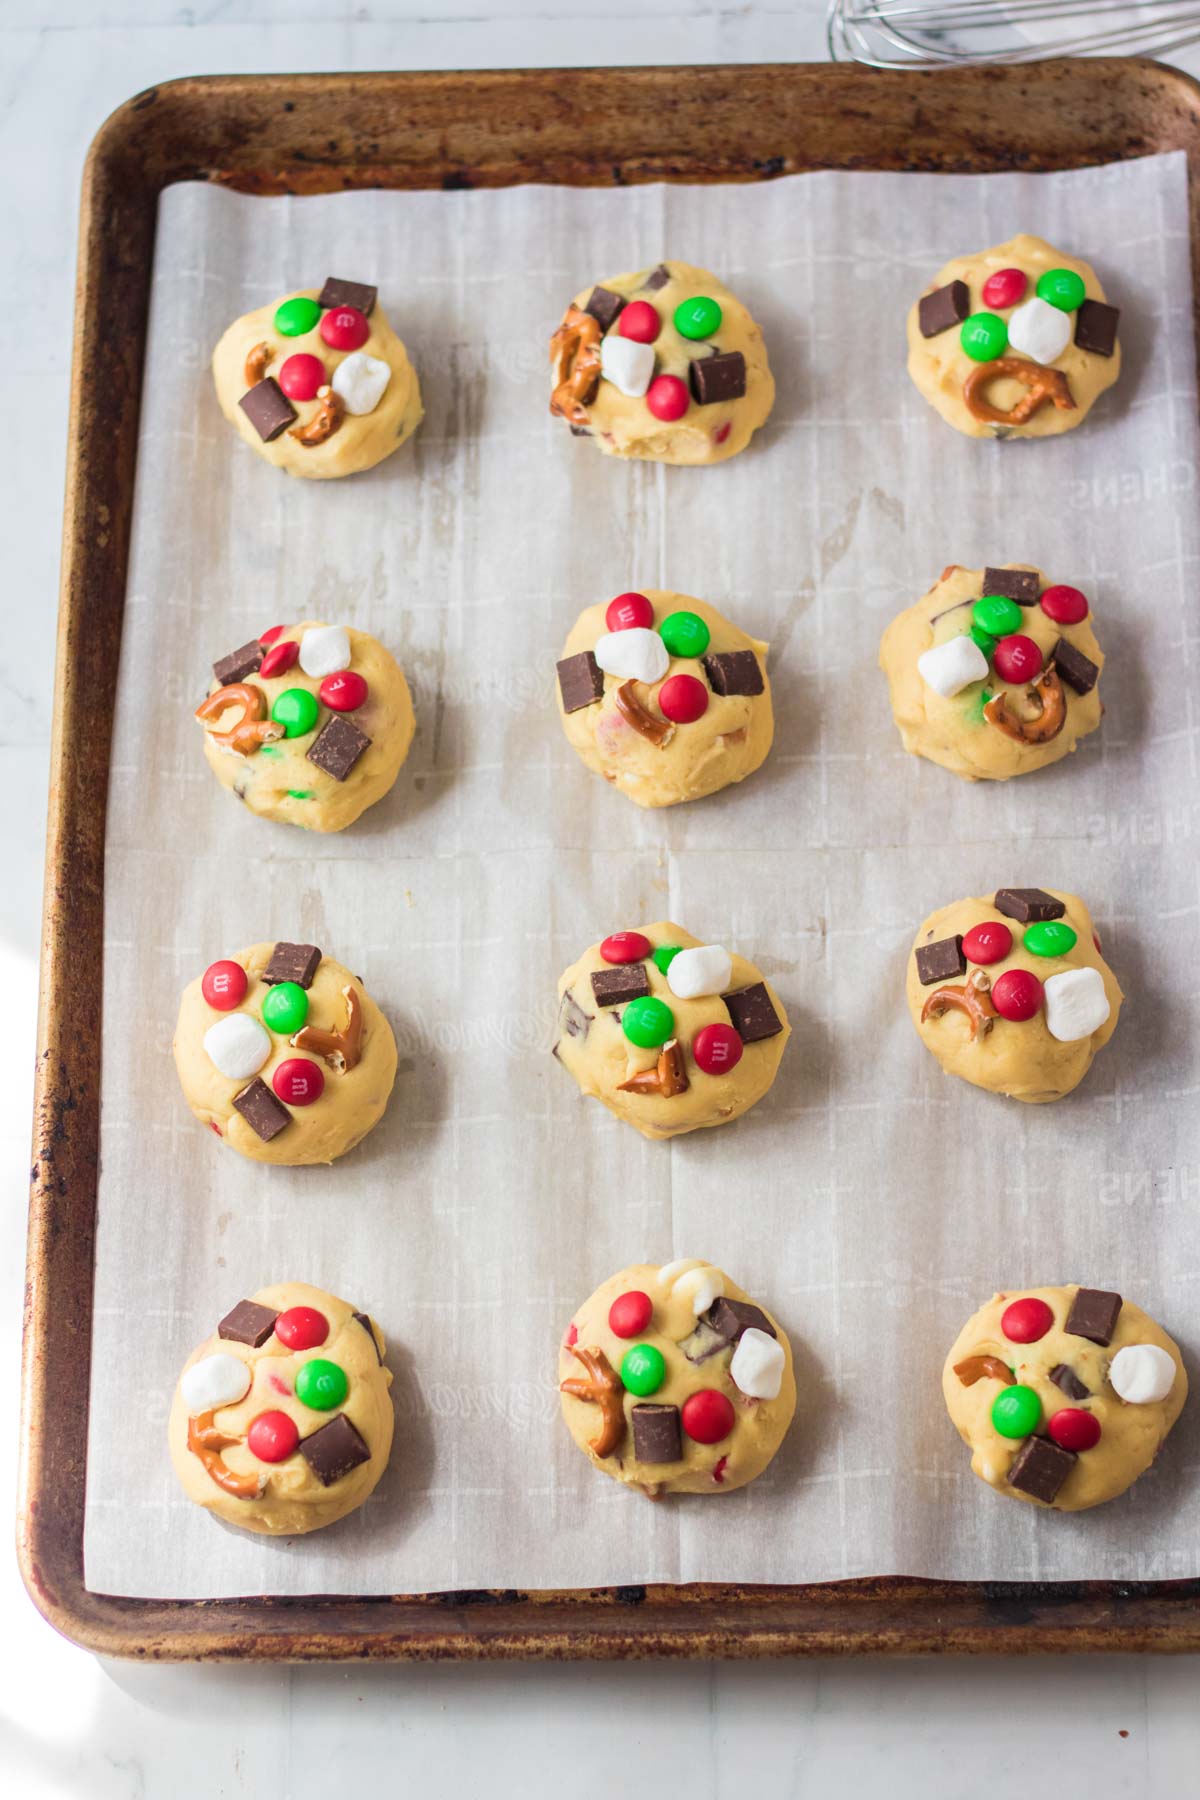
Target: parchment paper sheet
872 1202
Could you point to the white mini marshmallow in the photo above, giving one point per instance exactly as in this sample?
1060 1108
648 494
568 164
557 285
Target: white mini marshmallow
1039 330
706 969
627 365
756 1367
952 666
1142 1373
219 1380
237 1045
1076 1004
634 655
324 649
697 1281
361 380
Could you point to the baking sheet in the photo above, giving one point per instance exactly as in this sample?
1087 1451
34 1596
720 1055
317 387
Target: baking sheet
870 1201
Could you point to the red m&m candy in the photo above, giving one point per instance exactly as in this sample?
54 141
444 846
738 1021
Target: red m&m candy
345 328
302 1328
987 943
272 1437
279 658
717 1049
343 692
1065 605
629 612
1025 1321
1017 658
630 1313
625 947
1073 1429
298 1081
1017 995
640 322
708 1416
683 699
223 985
268 637
667 396
1004 288
301 376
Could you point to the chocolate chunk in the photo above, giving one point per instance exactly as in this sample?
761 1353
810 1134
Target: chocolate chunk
1096 327
1093 1315
572 1020
946 306
580 681
348 293
703 1342
940 960
732 1317
733 672
1064 1377
248 1323
657 278
1076 669
721 376
292 962
616 987
604 306
239 663
1021 585
1040 1468
580 431
367 1326
334 1450
752 1014
268 408
337 746
656 1436
1028 906
261 1110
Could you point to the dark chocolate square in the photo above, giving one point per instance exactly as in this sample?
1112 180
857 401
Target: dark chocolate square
337 292
733 672
1096 327
334 1450
656 1433
1028 906
1093 1315
616 987
940 961
292 962
731 1317
1021 585
580 681
573 1022
1063 1376
1040 1468
268 408
1076 669
657 278
262 1110
367 1326
604 306
721 376
239 663
337 746
248 1323
946 306
752 1014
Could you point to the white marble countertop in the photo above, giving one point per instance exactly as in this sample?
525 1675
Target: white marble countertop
74 1727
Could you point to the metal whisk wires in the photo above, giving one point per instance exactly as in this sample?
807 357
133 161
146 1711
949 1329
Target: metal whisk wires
910 34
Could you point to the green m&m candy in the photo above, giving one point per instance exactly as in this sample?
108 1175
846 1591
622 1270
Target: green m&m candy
664 956
996 615
1050 937
684 634
985 639
285 1007
648 1022
1016 1411
643 1369
697 318
321 1385
984 336
1062 288
296 710
294 317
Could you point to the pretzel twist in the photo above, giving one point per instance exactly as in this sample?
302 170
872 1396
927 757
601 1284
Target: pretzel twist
668 1077
979 1368
252 729
1046 723
1043 384
340 1049
206 1442
575 358
324 422
603 1388
974 998
256 363
658 731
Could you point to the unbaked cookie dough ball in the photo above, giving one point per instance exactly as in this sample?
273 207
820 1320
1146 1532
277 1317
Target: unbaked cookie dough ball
1018 341
1064 1394
1013 993
308 724
665 365
284 1054
664 697
994 672
318 382
673 1381
282 1421
670 1033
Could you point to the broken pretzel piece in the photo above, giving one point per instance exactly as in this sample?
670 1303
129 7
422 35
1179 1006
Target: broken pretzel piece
668 1077
603 1389
252 730
575 357
1043 384
659 731
324 422
206 1442
340 1049
1045 725
256 363
979 1368
974 998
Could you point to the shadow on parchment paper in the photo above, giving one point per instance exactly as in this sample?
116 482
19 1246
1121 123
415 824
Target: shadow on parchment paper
1127 716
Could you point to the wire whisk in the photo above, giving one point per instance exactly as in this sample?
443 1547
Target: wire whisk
912 34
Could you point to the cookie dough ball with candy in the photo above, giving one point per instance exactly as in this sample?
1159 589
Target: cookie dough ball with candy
675 1382
664 697
1013 993
1064 1394
318 383
284 1055
1017 341
282 1421
664 364
308 724
994 672
671 1034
